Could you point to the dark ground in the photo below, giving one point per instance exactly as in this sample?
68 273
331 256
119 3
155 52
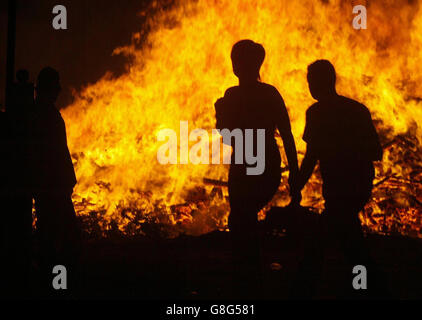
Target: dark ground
199 268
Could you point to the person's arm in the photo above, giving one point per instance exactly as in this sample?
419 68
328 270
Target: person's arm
224 113
373 144
306 168
290 149
64 159
284 128
219 114
309 161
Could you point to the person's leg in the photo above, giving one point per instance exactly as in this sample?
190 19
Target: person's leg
48 233
245 247
349 233
71 249
247 197
358 194
357 253
310 269
17 235
59 235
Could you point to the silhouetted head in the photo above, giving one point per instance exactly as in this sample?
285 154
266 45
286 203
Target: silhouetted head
247 57
48 85
322 79
22 76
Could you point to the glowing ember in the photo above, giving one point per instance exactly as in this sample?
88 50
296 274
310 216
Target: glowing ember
184 66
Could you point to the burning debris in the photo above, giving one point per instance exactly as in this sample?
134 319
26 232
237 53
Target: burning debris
396 206
182 66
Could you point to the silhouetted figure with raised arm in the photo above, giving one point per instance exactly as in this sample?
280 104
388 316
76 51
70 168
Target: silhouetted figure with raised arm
53 179
252 105
340 135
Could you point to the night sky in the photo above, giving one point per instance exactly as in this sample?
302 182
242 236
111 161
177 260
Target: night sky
83 52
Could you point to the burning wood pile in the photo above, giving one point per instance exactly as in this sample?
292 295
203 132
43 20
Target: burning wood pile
395 207
182 65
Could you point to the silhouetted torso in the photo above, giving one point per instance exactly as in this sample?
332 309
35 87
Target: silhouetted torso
53 167
257 106
343 139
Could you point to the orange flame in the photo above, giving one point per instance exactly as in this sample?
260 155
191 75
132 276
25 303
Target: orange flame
184 66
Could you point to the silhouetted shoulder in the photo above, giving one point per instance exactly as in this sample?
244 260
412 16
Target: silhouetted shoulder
268 87
342 126
270 91
310 114
353 104
313 108
231 91
340 104
52 115
265 89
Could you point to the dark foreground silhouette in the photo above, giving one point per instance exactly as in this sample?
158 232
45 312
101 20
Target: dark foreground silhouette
37 167
53 179
340 136
252 105
15 198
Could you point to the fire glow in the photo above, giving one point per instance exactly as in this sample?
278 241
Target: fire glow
183 66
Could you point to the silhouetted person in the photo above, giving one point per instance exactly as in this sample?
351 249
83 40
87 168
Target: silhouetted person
23 92
340 135
16 194
53 179
252 105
